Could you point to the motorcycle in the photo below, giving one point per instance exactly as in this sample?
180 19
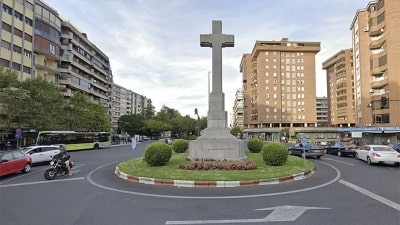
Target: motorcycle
57 167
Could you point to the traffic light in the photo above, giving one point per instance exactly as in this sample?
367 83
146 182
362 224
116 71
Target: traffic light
384 101
195 111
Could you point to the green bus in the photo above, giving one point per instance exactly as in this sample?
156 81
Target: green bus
73 140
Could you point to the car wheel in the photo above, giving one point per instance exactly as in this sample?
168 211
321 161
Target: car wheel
339 153
369 161
27 168
318 157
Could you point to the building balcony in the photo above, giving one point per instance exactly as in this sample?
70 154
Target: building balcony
66 35
375 30
65 70
377 41
379 82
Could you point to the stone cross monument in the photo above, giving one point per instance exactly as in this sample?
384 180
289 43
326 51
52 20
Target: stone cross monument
216 142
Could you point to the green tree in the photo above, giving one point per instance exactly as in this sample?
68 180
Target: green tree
167 114
154 127
149 111
182 126
132 124
97 117
82 114
235 131
43 110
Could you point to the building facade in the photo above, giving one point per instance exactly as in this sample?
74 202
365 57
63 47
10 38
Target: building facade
237 115
83 67
340 90
47 45
322 112
126 102
375 40
279 83
17 27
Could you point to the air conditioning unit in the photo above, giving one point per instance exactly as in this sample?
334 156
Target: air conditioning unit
366 28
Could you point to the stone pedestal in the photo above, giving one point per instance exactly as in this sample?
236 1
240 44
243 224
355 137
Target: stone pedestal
217 144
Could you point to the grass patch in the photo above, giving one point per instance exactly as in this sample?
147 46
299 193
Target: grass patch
138 167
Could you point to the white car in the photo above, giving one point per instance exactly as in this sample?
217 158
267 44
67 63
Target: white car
378 154
41 153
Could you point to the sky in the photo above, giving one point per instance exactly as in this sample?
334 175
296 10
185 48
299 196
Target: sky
154 45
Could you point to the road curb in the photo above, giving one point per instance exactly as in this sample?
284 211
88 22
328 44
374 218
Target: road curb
205 184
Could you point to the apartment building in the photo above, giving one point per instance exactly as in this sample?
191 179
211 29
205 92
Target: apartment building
16 52
376 53
237 115
126 102
322 112
279 84
340 90
47 45
83 67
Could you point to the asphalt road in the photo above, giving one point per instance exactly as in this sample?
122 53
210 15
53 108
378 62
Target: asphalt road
342 191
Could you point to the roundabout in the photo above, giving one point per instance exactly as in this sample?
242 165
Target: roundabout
325 175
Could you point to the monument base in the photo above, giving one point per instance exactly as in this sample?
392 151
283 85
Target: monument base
217 144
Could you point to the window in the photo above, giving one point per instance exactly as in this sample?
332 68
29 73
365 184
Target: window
6 27
5 44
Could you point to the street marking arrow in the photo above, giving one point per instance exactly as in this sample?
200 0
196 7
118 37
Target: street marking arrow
279 213
287 212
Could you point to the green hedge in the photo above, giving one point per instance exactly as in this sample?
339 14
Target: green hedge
180 145
274 154
255 145
157 154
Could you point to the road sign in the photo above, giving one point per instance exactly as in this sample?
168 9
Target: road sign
18 133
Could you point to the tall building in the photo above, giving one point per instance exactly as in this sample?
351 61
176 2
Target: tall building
322 112
16 52
376 53
83 67
47 45
126 102
237 115
279 84
340 80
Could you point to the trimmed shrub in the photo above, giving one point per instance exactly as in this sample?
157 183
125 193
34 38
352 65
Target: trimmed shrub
255 145
274 154
180 145
157 154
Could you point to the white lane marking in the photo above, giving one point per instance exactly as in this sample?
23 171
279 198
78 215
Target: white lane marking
371 195
338 161
42 182
279 214
90 180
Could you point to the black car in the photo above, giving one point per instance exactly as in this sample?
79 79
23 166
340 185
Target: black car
340 149
307 150
395 147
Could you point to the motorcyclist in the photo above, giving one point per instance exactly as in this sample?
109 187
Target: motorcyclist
64 157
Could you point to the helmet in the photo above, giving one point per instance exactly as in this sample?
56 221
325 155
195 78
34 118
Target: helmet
62 148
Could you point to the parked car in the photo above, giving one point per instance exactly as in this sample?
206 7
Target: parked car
309 149
166 140
41 153
14 161
378 154
340 149
395 147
